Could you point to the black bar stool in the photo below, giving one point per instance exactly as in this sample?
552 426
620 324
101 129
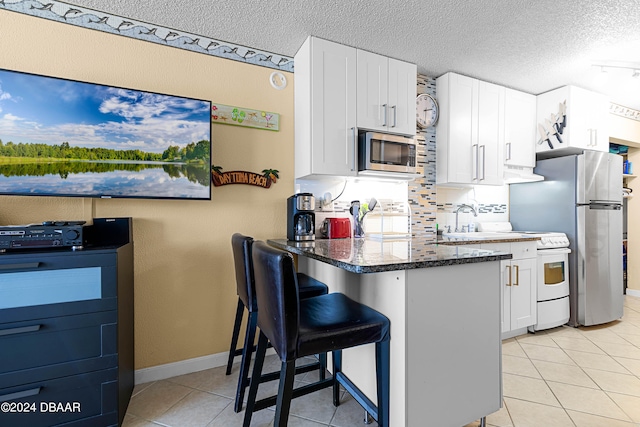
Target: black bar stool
297 328
309 287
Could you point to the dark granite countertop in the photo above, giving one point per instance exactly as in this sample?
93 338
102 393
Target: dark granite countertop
374 256
478 238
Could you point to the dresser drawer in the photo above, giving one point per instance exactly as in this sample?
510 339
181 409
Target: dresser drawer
56 344
57 284
79 400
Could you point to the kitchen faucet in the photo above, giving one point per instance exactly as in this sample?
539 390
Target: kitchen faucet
461 207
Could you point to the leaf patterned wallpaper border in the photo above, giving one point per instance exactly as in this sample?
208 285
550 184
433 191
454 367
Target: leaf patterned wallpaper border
100 21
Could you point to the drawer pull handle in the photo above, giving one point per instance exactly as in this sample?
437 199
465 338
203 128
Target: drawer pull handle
20 394
20 330
517 282
26 265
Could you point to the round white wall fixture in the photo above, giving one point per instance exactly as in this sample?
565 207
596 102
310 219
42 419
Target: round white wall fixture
278 80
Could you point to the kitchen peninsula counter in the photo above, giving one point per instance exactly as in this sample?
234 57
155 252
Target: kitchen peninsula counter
444 305
375 256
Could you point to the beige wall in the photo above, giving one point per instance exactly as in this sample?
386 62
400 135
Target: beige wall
185 295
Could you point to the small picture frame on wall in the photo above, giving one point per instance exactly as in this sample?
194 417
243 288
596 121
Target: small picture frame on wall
247 117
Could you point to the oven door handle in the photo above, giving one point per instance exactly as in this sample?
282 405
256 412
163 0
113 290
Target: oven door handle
553 251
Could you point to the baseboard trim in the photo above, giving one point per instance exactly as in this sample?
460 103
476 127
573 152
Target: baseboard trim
633 292
168 370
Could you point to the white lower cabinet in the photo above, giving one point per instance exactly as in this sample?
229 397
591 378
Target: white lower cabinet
518 286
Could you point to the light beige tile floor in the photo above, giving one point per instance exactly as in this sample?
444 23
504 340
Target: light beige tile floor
573 377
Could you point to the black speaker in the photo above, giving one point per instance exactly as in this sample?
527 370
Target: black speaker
109 232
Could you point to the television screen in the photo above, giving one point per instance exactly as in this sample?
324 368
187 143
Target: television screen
67 138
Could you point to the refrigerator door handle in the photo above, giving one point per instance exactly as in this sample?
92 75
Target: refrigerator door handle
604 206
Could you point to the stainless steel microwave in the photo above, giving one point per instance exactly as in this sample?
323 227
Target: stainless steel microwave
387 153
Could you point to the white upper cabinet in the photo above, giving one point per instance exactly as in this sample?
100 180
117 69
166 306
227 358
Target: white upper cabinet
571 119
520 128
470 131
386 92
325 109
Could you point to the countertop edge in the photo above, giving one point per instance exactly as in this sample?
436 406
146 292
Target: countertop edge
477 241
496 256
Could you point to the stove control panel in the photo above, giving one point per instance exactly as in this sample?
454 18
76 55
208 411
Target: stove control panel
555 240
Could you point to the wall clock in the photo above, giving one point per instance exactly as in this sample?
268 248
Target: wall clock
426 111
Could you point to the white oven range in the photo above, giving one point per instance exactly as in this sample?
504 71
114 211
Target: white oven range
553 280
552 274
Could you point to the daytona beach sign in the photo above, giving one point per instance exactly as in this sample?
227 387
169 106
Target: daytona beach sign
243 177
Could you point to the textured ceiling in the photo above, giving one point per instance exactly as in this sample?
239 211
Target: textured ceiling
528 45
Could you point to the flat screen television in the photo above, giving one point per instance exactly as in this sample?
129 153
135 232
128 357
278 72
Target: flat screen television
62 137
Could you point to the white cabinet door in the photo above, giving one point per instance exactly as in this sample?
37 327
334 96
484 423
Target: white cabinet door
518 284
470 131
519 128
325 109
586 121
600 123
386 92
523 293
402 97
490 133
372 91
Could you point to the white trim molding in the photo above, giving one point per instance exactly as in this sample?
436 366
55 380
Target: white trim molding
633 292
183 367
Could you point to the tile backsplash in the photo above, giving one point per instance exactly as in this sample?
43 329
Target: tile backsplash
422 191
490 202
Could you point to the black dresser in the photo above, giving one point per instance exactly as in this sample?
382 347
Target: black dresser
66 336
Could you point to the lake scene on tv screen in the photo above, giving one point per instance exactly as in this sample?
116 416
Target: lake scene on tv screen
67 138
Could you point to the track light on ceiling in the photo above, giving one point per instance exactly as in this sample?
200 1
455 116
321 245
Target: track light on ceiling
604 68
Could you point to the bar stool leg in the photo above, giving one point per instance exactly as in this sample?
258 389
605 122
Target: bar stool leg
234 336
250 336
483 422
383 359
285 393
322 358
367 418
337 367
255 379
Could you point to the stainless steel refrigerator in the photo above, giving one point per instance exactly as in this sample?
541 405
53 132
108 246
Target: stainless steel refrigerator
581 196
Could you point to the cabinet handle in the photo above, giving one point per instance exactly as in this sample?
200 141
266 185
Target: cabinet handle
509 269
23 266
20 394
475 173
395 116
384 106
20 330
595 140
484 158
355 153
517 282
508 151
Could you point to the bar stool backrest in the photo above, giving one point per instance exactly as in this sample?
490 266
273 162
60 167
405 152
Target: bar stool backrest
241 246
277 294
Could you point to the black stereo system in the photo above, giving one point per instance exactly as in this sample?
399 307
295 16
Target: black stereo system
49 234
65 234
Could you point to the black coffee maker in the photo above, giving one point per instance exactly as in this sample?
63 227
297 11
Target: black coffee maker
300 217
